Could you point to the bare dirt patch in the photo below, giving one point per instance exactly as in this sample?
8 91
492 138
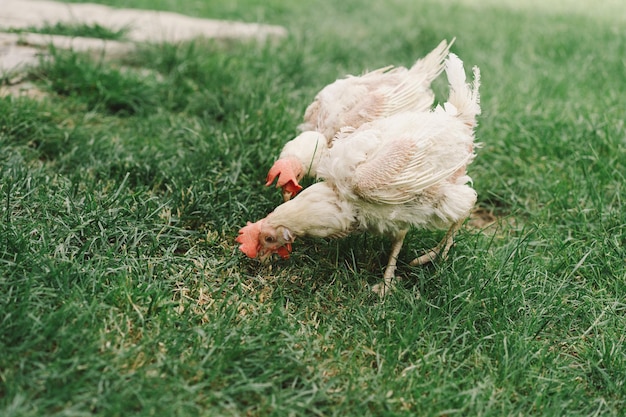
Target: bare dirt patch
486 221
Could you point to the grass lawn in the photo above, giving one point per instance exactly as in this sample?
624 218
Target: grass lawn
122 291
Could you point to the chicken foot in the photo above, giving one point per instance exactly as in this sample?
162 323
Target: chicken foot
387 285
439 251
442 248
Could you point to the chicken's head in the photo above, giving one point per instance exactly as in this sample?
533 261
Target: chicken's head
289 171
261 240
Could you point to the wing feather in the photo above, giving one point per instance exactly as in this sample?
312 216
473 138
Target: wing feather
399 173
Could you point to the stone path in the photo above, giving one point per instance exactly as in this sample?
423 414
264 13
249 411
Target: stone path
23 49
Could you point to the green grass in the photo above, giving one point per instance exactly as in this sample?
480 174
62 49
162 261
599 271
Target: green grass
122 291
69 29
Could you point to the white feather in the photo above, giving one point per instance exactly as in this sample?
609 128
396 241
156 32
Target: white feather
407 169
355 100
464 98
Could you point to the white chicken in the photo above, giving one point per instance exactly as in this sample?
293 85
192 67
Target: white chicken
353 101
405 170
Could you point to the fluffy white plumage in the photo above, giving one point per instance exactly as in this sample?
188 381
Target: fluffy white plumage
353 101
405 170
386 91
398 175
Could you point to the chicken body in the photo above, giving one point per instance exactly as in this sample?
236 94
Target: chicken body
390 174
398 175
351 102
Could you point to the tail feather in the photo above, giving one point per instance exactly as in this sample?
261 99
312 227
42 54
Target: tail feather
463 96
414 93
433 64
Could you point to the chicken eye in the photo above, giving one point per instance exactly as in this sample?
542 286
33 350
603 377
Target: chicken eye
270 239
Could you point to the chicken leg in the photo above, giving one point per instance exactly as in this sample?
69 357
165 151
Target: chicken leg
386 286
442 248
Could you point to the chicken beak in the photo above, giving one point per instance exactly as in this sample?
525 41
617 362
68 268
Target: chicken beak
290 190
264 256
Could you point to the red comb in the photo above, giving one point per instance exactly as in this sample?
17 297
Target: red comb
285 170
249 239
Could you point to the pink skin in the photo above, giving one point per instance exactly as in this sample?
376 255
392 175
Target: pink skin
288 171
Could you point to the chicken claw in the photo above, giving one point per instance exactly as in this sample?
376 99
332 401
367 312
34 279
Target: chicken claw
442 248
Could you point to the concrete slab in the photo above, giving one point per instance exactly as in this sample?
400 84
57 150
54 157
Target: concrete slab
143 25
14 57
20 50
